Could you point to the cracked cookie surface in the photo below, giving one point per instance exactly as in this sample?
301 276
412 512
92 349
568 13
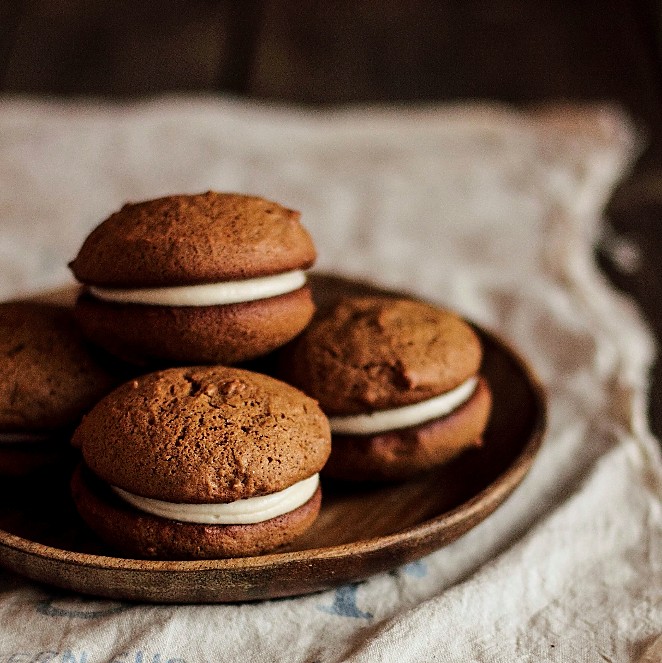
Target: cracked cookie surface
50 376
204 434
198 238
372 353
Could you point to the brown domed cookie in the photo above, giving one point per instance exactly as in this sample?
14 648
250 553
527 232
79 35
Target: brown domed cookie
147 536
204 434
50 378
194 334
404 453
399 381
371 353
192 439
217 277
200 238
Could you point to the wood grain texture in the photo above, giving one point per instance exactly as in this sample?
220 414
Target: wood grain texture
362 530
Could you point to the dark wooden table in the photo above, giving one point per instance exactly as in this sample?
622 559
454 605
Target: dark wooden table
319 52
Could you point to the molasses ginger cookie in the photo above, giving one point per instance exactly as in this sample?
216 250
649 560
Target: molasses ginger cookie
50 378
204 462
399 380
195 279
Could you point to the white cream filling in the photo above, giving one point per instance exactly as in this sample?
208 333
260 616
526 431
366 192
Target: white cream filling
242 512
19 438
405 416
206 294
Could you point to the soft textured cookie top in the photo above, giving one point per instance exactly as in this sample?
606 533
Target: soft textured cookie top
189 239
203 435
372 353
49 375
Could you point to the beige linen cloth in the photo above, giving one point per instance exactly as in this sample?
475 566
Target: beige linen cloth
478 207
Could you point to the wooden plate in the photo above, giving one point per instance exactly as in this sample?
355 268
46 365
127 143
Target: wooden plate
361 530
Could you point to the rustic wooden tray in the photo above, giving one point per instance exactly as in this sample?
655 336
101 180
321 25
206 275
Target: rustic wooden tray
361 530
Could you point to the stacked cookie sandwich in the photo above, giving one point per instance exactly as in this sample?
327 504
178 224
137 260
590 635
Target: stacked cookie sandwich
198 462
209 278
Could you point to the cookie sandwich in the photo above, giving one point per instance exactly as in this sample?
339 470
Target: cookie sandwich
195 279
50 378
399 380
206 462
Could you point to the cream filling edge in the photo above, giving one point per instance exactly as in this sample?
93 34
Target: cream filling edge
246 511
407 415
206 294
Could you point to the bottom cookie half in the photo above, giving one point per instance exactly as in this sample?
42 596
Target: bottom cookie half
142 535
194 334
401 454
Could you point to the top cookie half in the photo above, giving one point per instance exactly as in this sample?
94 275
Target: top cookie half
190 239
373 353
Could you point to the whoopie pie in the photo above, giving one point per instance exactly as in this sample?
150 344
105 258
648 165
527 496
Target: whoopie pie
195 279
202 462
399 380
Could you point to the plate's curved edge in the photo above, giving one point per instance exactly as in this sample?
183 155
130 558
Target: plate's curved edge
486 500
318 566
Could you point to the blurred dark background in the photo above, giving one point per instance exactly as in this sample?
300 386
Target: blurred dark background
343 51
316 52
